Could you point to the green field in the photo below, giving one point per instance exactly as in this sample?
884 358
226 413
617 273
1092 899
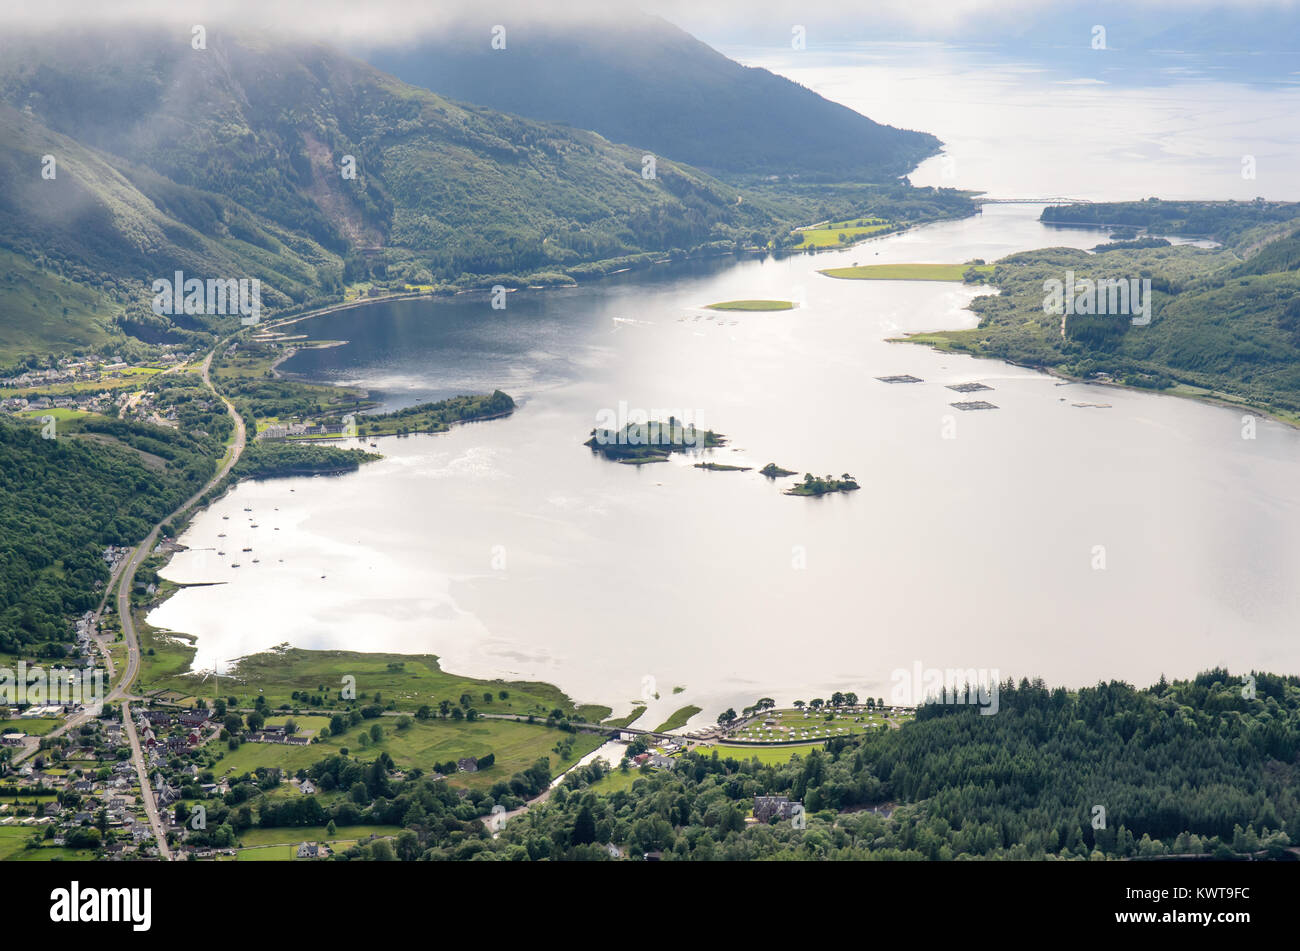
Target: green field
516 746
13 847
406 680
854 229
306 723
908 272
753 305
36 726
629 719
767 755
678 719
615 781
58 412
257 837
790 725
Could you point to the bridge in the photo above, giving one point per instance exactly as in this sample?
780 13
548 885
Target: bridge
1032 201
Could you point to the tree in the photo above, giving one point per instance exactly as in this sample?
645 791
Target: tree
376 732
726 716
584 827
799 704
444 708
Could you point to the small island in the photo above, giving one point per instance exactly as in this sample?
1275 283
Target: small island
811 485
752 305
972 272
773 471
437 417
721 467
639 443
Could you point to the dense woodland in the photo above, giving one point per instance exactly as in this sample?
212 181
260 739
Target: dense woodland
1224 319
1200 768
63 500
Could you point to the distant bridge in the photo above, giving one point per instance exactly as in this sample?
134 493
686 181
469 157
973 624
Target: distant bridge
1032 201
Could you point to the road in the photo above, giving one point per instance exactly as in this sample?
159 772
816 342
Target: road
123 576
141 552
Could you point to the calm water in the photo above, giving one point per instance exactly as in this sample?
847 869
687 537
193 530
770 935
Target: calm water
1079 124
509 550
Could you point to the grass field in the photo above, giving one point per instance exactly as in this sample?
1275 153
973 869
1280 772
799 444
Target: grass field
593 712
13 847
306 724
615 781
855 229
58 412
408 680
678 719
629 719
36 726
258 837
767 755
516 746
907 272
796 725
753 305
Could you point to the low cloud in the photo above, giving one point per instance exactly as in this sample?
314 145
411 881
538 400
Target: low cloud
382 22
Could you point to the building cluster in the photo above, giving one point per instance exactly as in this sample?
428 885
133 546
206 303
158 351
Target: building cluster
74 375
295 430
277 734
84 794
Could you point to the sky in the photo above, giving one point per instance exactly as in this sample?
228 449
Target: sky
392 21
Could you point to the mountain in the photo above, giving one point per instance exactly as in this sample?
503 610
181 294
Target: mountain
227 162
640 80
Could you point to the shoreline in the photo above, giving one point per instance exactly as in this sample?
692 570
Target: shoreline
341 306
1207 399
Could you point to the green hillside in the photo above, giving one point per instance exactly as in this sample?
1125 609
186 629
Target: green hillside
229 162
1225 322
638 79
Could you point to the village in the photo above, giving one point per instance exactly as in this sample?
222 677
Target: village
104 385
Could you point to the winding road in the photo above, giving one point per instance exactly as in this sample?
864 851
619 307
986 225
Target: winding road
123 576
